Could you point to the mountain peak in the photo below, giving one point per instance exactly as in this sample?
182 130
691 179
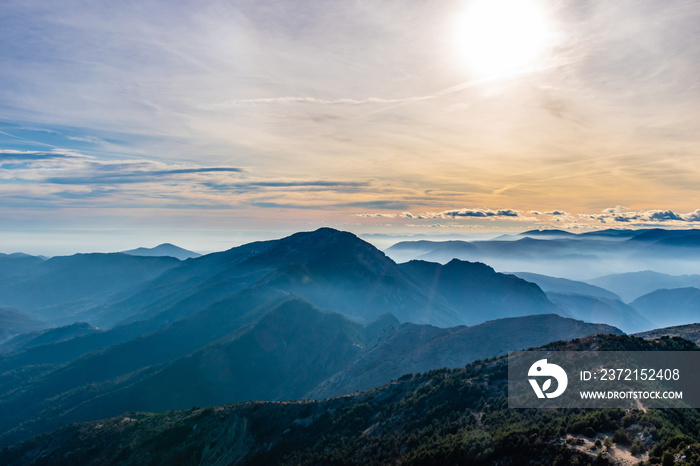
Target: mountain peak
551 232
163 250
469 265
323 234
326 246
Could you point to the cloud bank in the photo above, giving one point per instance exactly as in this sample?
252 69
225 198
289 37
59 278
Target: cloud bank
620 214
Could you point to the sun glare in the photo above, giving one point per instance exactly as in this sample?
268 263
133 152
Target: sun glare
499 37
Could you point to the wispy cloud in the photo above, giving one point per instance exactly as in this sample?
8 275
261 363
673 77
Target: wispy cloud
310 100
322 185
90 139
67 167
12 155
380 204
54 179
104 174
376 215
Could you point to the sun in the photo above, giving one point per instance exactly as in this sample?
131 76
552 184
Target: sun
500 37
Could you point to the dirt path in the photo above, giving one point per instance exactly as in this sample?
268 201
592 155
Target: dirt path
618 454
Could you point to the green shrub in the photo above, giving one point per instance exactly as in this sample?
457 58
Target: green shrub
620 436
638 447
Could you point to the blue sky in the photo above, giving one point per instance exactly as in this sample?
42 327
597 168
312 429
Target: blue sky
211 123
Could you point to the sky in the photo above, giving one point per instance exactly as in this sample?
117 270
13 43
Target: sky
212 123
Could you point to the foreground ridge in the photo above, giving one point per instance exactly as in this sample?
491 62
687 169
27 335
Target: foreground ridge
444 416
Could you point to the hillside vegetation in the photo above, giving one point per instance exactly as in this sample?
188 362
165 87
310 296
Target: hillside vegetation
457 416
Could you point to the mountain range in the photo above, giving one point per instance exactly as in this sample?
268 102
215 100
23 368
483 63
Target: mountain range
632 285
316 314
293 350
60 289
445 416
334 270
563 254
311 316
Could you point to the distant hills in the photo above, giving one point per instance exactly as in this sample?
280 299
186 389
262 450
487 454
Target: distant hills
163 250
589 303
548 255
61 289
596 309
13 322
632 285
568 255
670 307
29 339
562 285
550 233
18 264
660 234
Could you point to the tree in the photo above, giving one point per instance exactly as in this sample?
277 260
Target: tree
608 443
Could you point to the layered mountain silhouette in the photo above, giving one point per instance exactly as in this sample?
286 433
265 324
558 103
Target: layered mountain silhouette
333 270
630 286
665 307
562 254
596 309
412 348
590 303
13 322
18 264
61 288
30 339
315 314
293 350
659 234
562 285
472 288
